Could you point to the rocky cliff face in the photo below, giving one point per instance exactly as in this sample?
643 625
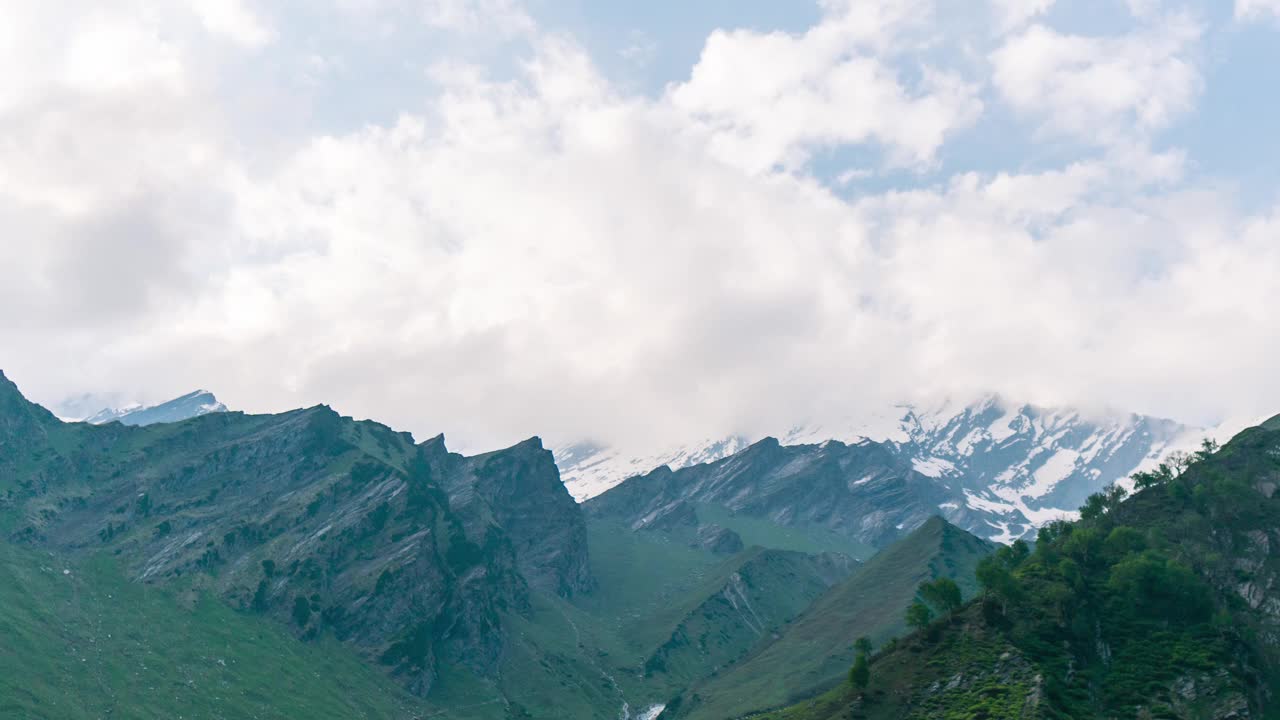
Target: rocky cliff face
408 552
867 492
520 487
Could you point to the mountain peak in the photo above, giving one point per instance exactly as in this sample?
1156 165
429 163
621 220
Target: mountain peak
12 400
183 407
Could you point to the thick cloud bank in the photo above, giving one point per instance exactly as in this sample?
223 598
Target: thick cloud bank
507 240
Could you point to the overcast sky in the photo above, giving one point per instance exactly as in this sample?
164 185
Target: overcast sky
637 222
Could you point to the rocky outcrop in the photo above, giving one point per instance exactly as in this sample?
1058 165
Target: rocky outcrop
719 540
521 488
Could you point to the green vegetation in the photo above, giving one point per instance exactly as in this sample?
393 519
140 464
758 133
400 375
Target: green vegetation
83 641
817 649
766 533
1149 606
918 615
860 673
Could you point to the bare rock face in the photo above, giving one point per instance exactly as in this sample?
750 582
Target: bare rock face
719 540
521 488
866 492
410 553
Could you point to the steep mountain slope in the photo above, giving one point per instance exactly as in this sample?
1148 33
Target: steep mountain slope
1163 605
194 404
1001 468
81 641
751 599
817 649
412 555
867 493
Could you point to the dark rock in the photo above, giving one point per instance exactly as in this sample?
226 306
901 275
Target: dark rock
719 540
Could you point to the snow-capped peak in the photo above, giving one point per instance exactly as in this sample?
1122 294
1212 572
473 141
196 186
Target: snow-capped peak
1014 466
184 407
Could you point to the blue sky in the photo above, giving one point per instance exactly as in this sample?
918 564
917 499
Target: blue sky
642 222
644 48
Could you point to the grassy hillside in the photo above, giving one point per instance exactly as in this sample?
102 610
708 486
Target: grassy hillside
766 590
982 676
816 650
1164 605
82 641
663 615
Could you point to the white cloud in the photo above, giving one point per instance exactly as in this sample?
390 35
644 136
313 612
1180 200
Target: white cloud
1257 9
1101 89
232 19
545 253
831 86
506 17
1012 14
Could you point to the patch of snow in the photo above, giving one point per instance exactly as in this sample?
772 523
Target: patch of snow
985 505
1005 536
933 467
1056 469
1002 428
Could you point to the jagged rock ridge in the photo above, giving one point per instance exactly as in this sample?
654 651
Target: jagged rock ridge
408 552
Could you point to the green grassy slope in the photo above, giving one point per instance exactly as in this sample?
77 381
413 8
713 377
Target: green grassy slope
82 641
766 590
816 650
658 620
806 538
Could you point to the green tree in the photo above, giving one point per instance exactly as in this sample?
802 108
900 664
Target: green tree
301 611
1094 506
1123 540
1163 473
1157 587
860 673
919 615
261 600
1208 447
863 645
942 594
998 582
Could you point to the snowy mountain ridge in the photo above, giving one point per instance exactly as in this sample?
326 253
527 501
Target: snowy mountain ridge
1008 468
193 404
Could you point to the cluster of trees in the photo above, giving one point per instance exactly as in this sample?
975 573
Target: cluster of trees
1121 573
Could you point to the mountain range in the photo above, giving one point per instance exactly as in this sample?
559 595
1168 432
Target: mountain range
996 468
306 564
475 585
